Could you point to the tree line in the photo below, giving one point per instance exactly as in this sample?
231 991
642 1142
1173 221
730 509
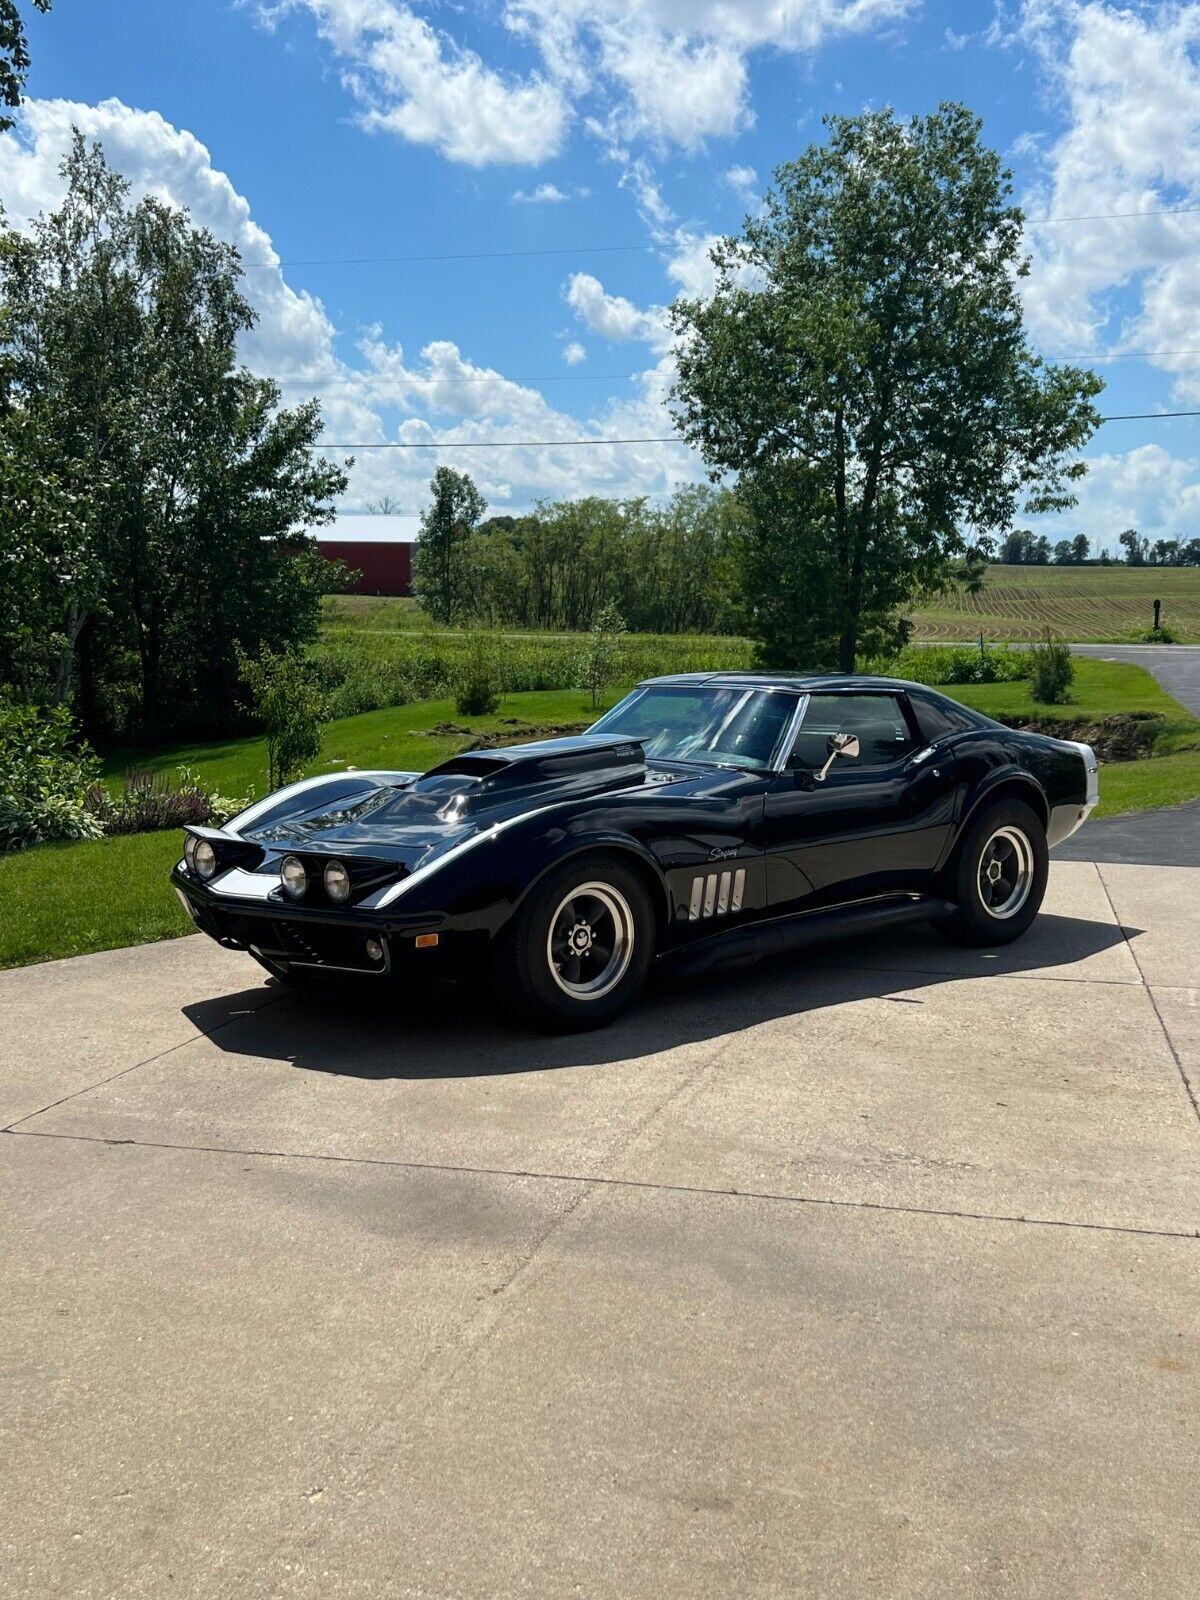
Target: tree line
151 487
1021 548
670 568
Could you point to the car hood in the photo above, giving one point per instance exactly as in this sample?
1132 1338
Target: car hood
413 814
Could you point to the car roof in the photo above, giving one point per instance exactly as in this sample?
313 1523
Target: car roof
800 682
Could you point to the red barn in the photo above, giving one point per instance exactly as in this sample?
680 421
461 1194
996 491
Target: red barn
378 547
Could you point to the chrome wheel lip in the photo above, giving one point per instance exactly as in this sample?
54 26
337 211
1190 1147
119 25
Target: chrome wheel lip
1023 863
617 910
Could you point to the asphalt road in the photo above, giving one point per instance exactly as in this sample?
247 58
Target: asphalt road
875 1273
1175 666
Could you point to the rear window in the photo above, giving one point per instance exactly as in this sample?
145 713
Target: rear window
937 719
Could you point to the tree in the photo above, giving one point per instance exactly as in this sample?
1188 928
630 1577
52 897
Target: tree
1039 551
441 579
598 662
1062 553
863 365
14 55
119 325
291 708
1014 547
1134 546
1079 549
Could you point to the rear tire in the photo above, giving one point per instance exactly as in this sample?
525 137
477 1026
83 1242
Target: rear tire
999 878
580 948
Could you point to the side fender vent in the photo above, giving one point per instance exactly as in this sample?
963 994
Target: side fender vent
717 894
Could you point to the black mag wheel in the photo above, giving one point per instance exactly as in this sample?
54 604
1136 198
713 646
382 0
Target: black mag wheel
581 947
999 878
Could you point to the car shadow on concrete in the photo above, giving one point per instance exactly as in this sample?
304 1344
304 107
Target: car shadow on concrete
378 1030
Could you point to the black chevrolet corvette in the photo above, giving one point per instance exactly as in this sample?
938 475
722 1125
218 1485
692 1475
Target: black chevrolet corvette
709 818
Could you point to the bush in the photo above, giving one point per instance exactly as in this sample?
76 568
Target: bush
1163 634
1052 671
478 686
941 664
150 801
44 778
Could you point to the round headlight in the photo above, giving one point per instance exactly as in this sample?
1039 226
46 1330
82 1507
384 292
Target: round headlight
189 851
204 858
337 882
295 879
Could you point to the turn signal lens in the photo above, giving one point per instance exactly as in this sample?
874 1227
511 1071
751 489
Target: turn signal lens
204 858
295 879
337 882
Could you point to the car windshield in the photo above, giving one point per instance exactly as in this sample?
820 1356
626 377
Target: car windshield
717 726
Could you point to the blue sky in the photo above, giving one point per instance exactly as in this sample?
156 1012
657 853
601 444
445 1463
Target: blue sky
622 134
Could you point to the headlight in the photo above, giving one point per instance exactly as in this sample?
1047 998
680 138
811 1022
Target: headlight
189 851
295 879
204 858
337 882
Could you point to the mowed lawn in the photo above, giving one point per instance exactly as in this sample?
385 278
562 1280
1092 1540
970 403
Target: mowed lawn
65 900
1084 605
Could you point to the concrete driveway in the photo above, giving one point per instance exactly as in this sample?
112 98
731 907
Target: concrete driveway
875 1274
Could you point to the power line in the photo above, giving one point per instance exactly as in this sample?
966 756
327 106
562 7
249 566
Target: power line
539 444
629 249
430 383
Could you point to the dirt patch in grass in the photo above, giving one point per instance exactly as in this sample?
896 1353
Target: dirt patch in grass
1126 736
513 732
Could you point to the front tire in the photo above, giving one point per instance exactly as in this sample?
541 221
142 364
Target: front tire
581 947
1000 875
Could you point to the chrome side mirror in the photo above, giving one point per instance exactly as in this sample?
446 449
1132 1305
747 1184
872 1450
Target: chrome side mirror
840 744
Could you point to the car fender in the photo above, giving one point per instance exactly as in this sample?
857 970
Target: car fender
1009 779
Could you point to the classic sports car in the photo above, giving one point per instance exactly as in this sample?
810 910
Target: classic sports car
709 818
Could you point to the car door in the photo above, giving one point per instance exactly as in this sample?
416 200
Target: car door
875 823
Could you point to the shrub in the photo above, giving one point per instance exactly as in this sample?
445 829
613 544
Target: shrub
477 684
942 664
44 777
150 801
1163 634
291 707
1052 671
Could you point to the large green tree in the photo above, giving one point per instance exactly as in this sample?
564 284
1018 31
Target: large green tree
14 56
119 325
441 574
863 367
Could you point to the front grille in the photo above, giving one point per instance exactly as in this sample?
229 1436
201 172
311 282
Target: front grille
323 947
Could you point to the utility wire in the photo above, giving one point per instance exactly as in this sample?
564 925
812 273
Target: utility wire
531 444
627 249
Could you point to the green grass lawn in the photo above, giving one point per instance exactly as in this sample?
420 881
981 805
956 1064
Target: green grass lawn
1086 605
65 900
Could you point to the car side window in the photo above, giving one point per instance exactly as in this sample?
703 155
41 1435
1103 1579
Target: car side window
937 719
876 720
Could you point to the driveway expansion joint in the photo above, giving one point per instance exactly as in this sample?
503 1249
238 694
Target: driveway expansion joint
591 1181
1170 1043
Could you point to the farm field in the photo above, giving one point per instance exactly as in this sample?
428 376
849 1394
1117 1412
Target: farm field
1084 605
70 899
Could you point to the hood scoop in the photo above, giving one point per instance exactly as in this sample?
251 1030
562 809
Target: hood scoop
483 778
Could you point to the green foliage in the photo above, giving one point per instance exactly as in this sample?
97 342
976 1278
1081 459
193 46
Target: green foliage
863 366
14 56
440 561
667 569
290 706
477 686
149 800
599 661
1163 634
959 664
1051 671
361 671
159 486
44 777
